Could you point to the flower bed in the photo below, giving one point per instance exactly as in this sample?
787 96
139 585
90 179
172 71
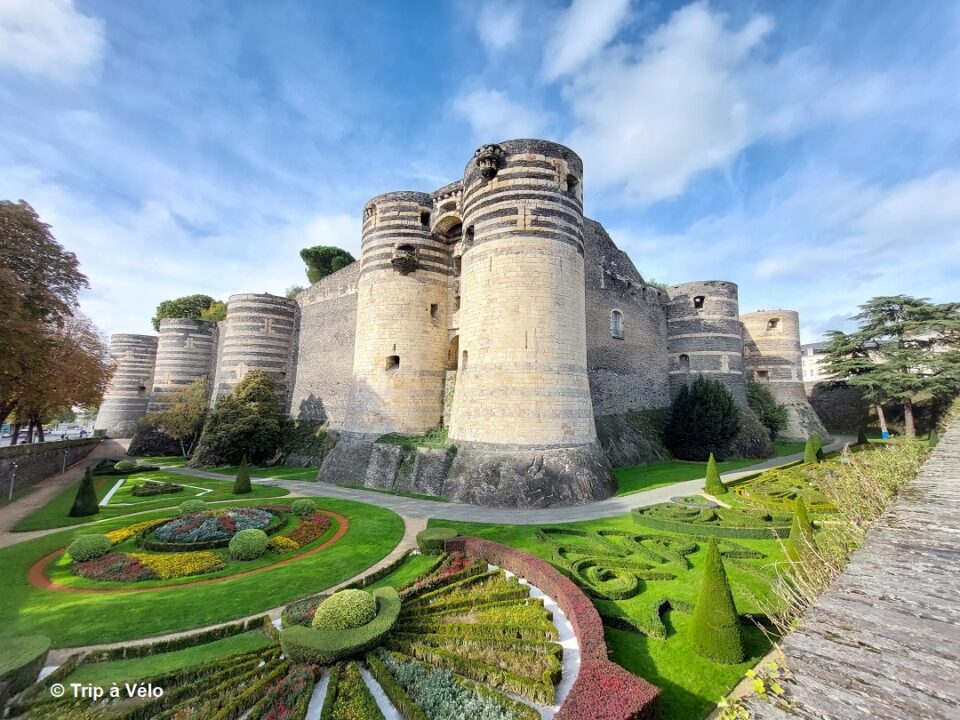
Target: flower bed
212 525
177 565
115 567
287 699
125 533
308 529
151 488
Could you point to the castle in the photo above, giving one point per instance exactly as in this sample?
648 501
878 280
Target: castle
491 307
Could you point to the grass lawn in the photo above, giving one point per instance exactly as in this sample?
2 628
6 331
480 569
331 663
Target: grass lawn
54 513
71 619
400 493
637 478
691 684
174 460
411 568
277 472
120 671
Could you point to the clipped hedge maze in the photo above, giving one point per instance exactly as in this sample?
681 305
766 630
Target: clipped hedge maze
719 522
779 489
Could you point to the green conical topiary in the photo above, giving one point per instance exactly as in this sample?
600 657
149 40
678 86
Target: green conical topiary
818 446
715 629
85 503
241 485
714 485
801 532
862 437
810 451
933 439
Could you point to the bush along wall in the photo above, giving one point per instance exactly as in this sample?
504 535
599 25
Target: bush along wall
704 419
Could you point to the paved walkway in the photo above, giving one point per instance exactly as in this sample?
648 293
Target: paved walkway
884 640
416 508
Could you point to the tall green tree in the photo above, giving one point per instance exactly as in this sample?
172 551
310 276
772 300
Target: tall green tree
185 414
704 419
904 346
769 412
323 260
188 306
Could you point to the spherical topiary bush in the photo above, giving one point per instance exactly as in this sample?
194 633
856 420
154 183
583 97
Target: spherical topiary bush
304 507
345 610
248 544
125 466
431 540
89 547
192 506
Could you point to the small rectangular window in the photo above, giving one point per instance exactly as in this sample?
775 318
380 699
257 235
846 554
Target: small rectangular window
434 311
763 375
456 303
425 218
698 302
393 362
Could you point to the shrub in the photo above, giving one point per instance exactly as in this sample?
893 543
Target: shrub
862 437
703 418
801 533
192 506
344 610
753 439
715 629
21 661
351 698
431 540
303 644
281 544
767 409
714 485
817 446
126 466
810 454
85 503
248 544
89 547
933 439
304 507
241 486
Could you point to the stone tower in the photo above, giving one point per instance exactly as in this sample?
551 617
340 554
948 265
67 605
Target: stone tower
258 334
704 336
128 394
522 416
185 352
771 346
402 319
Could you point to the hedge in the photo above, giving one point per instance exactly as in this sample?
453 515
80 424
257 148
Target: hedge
772 532
21 662
714 630
248 544
303 507
331 697
431 540
89 547
345 610
192 506
391 688
125 466
304 644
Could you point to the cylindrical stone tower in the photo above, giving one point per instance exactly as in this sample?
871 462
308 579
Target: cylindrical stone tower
128 394
258 335
523 396
401 338
771 347
704 336
185 352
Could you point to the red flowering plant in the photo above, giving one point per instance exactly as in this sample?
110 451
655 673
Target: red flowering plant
115 567
309 529
288 698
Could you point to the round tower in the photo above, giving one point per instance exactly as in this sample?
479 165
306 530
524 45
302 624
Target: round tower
522 385
771 347
185 352
128 394
258 334
402 319
704 336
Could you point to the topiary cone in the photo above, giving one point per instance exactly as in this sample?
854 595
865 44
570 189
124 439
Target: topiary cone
862 437
241 485
810 451
714 485
715 629
85 503
933 439
801 532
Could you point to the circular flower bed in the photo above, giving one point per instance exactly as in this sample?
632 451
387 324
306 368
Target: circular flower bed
204 527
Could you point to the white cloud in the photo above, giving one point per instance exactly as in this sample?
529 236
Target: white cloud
498 24
50 39
581 32
924 210
494 116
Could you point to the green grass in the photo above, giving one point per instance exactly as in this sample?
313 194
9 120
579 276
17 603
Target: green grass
399 493
411 568
54 513
70 619
174 460
277 472
637 478
433 439
120 671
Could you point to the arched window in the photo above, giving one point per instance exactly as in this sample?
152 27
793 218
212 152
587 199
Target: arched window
685 363
616 324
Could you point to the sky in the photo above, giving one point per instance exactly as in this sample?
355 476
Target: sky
808 151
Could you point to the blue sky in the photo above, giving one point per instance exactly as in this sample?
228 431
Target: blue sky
808 151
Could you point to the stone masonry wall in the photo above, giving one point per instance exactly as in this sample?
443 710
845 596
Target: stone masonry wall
324 355
38 461
185 352
127 396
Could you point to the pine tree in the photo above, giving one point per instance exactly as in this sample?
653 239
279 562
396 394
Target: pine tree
933 439
715 629
85 503
801 532
241 485
810 451
704 418
714 485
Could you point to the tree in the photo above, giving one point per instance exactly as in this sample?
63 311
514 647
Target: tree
801 533
714 485
185 413
810 454
248 422
85 503
241 485
768 411
323 260
293 291
215 313
189 306
904 346
715 628
704 419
